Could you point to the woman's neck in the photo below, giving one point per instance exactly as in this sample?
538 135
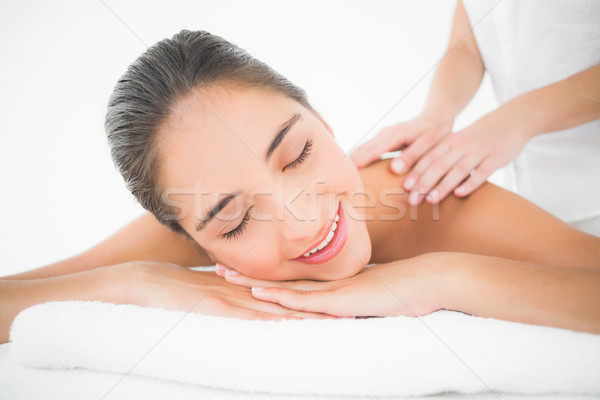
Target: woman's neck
385 209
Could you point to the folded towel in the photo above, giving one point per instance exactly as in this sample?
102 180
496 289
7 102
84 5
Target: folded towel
396 356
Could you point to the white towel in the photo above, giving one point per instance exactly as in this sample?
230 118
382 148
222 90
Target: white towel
397 356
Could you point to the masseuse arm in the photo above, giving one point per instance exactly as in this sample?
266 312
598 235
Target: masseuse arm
498 137
570 102
142 239
457 77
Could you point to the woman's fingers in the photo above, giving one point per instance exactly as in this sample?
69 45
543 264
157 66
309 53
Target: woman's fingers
220 270
250 314
302 300
278 309
278 313
236 278
223 271
245 281
311 315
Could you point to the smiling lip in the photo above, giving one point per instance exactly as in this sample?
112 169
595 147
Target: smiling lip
333 248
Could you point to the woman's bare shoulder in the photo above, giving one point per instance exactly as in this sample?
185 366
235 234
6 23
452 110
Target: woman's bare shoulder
378 176
491 221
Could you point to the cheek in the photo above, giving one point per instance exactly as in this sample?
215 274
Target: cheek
343 177
339 166
256 260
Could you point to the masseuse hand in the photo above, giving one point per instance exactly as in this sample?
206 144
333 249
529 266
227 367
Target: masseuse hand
405 287
414 138
440 162
173 287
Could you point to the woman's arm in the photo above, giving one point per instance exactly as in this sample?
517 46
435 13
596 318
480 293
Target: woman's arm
484 286
108 284
148 284
142 239
511 290
497 222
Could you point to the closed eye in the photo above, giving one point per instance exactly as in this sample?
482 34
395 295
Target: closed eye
239 230
303 156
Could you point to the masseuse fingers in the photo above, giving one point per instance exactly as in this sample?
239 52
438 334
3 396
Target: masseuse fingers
437 169
417 157
457 174
388 139
477 178
413 177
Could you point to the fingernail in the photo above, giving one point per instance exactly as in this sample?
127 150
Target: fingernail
414 196
434 195
231 272
257 289
409 183
461 190
221 267
398 165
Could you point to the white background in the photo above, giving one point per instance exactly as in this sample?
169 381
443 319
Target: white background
364 65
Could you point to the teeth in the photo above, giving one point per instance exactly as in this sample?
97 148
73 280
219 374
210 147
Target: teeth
327 239
330 235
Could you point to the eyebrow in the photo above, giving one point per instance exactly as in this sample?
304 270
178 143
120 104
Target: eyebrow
215 210
283 130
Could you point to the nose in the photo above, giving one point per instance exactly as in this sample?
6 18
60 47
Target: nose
301 221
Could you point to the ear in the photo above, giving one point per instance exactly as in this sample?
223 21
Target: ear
208 255
205 254
325 123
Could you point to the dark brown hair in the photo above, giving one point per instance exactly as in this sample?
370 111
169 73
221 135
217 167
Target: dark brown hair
144 95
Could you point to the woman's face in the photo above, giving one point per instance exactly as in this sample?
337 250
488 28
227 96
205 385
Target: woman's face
284 174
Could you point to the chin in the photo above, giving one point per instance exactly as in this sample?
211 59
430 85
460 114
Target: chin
353 264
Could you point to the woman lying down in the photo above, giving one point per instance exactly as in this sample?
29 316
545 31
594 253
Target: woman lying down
236 168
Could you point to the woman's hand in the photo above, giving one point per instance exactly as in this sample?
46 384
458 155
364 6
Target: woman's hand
405 287
414 138
472 154
173 287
